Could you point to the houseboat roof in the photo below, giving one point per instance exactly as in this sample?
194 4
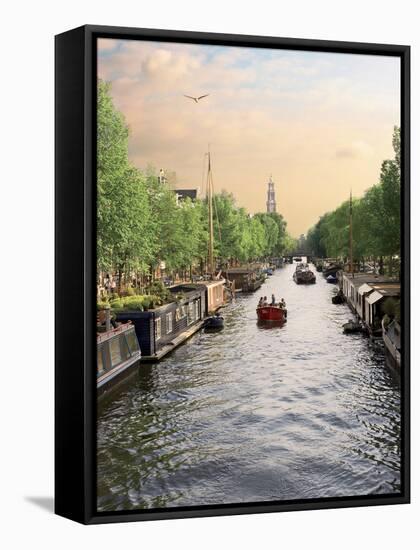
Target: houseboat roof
383 291
187 288
212 282
364 289
232 270
359 279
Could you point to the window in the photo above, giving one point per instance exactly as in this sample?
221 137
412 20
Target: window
100 362
190 316
197 309
169 322
132 341
114 346
158 328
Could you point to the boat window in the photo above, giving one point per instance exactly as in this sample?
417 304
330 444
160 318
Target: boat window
158 328
100 363
190 317
125 352
133 343
168 323
114 346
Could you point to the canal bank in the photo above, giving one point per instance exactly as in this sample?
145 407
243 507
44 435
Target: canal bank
255 413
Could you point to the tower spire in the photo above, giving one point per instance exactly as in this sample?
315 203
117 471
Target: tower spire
271 196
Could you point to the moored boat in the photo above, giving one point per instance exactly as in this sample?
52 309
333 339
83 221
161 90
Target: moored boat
352 327
332 279
214 323
271 313
338 298
117 351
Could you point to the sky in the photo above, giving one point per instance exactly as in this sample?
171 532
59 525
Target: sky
319 123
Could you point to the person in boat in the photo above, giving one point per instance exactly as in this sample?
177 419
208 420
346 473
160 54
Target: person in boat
265 302
282 303
261 302
273 300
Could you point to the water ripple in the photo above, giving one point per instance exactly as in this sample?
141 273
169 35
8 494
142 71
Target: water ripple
255 414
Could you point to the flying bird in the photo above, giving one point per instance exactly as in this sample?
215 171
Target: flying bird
196 99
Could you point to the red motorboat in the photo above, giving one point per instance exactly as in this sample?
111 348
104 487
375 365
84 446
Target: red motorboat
271 313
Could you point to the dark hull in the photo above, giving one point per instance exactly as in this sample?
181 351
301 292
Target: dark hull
304 279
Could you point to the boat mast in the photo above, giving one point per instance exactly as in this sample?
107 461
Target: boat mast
210 212
351 236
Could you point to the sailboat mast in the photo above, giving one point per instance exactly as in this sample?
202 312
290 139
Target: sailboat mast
210 208
351 235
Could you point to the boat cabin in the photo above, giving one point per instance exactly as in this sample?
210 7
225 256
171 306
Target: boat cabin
245 279
161 329
117 350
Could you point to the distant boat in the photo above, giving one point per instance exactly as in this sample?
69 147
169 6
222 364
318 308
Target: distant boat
332 279
271 313
303 275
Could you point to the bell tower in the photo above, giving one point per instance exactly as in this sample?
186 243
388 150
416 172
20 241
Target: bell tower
271 196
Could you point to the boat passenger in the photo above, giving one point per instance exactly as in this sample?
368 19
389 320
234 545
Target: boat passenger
261 302
283 303
265 302
273 300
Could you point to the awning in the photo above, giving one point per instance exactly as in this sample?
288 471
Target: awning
364 289
374 297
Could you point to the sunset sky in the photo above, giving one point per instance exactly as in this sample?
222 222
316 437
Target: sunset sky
320 123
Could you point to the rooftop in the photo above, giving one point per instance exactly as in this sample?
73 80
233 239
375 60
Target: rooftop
358 279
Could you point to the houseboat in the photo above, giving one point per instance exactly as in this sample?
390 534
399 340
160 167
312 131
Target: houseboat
162 329
366 294
117 352
217 294
245 279
303 275
391 335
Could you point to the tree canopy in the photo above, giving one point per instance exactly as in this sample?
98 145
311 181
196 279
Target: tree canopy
140 221
375 219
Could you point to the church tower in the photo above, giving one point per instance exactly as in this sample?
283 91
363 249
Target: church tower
271 197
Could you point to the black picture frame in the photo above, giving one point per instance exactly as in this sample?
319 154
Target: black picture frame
75 291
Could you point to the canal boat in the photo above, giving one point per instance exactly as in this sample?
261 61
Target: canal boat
271 313
161 329
214 323
245 279
391 335
331 270
118 351
338 298
332 279
352 327
303 275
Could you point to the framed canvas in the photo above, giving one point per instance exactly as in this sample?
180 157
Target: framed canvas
232 274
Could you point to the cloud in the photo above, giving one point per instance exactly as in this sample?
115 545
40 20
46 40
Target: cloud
297 115
355 150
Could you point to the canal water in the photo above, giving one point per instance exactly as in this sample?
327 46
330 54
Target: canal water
255 414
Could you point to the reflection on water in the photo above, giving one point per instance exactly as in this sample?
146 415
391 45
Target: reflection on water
254 413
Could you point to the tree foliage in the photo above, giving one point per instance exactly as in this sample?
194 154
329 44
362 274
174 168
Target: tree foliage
375 219
140 222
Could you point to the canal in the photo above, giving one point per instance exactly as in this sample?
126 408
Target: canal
255 414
